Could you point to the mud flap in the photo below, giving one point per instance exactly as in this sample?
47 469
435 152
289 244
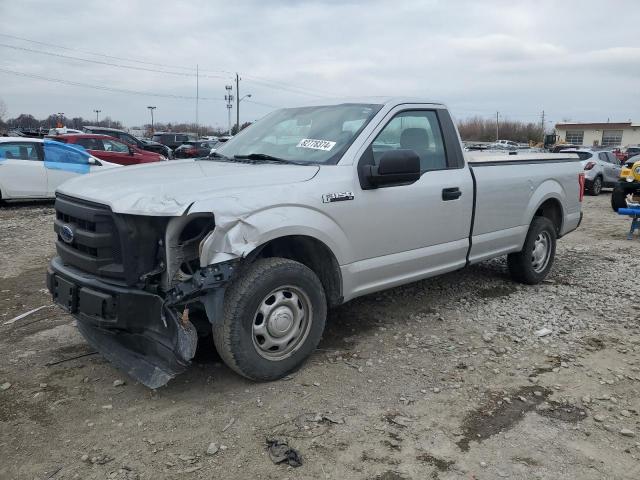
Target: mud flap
142 356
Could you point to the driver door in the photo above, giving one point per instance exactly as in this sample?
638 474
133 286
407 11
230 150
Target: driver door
403 233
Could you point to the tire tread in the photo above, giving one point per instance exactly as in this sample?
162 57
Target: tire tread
235 296
519 263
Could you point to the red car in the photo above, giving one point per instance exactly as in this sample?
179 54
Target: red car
110 149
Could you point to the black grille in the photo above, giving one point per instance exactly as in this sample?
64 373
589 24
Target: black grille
95 244
84 224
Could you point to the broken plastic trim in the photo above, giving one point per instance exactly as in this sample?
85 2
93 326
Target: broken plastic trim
207 285
205 279
144 334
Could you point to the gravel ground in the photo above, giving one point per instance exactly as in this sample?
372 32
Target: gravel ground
467 376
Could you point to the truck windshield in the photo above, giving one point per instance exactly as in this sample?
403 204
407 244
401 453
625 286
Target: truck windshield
314 135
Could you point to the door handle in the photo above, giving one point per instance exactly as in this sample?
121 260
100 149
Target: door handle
452 193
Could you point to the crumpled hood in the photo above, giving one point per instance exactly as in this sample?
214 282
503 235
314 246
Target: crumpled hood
169 188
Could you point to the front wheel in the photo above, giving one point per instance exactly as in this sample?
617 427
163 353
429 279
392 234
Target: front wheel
618 199
532 264
274 316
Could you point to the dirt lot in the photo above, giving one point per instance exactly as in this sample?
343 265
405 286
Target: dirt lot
442 379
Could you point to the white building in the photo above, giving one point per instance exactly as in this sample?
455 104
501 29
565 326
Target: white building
599 134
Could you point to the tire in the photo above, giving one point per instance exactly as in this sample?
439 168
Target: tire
269 302
596 186
527 266
618 199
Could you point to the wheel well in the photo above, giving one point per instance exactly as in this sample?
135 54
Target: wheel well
312 253
552 210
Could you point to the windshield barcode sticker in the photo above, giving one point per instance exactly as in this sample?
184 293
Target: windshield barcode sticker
325 145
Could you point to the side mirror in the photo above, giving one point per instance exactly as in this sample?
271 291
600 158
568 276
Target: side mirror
396 167
131 151
94 161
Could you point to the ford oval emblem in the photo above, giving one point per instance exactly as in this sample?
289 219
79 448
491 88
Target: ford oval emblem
66 234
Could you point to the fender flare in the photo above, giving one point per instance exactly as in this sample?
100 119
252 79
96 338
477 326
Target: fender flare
548 190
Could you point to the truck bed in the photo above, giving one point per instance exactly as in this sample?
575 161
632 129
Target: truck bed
507 190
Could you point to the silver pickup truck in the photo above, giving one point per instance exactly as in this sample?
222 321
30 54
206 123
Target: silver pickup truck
304 210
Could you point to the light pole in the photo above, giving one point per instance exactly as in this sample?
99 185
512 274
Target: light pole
151 109
248 95
97 113
229 98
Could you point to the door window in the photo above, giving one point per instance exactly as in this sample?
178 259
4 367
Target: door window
19 151
125 137
90 143
67 157
115 147
417 130
613 159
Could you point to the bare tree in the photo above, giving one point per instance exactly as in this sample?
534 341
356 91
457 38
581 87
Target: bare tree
3 110
484 129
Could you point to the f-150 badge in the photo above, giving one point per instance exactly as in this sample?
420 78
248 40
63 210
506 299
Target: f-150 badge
337 197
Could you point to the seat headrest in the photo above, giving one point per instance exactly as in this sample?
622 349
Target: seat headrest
414 139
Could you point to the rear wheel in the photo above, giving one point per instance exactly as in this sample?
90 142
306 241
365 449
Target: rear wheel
618 199
532 264
274 316
596 186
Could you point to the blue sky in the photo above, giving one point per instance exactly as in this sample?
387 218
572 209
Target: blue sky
577 60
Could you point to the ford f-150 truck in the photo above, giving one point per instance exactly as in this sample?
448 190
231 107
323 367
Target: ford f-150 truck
304 210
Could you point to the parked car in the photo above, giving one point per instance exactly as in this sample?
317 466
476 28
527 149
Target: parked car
108 148
172 140
195 149
504 145
33 168
63 131
629 183
303 210
131 140
565 146
630 151
601 168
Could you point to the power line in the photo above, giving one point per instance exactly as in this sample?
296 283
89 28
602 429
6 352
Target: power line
102 87
46 44
120 90
265 82
285 87
99 62
261 103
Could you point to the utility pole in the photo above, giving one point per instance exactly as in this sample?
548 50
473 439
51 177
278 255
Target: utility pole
542 125
497 126
97 113
151 109
237 103
197 100
229 98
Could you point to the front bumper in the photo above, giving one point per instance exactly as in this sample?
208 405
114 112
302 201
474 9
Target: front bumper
132 328
626 186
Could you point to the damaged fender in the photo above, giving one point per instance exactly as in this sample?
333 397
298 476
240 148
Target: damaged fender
237 235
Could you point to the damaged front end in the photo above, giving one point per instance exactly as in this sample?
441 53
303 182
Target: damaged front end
135 285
